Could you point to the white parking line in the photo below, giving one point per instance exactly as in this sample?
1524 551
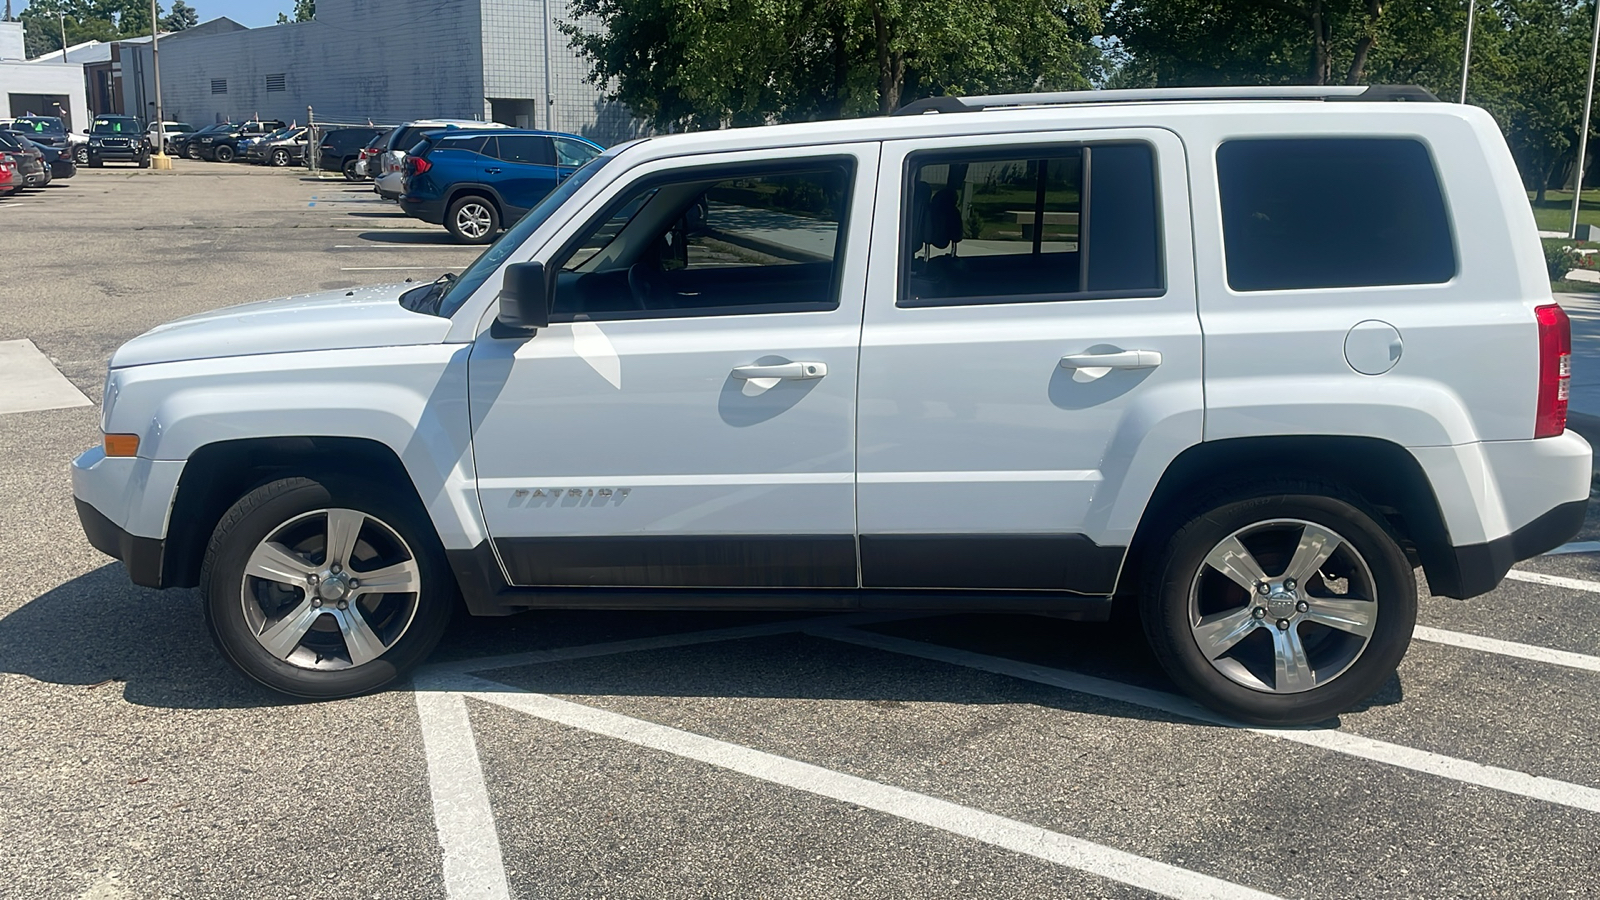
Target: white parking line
461 811
988 828
1576 584
405 247
1575 547
1509 648
1534 787
393 268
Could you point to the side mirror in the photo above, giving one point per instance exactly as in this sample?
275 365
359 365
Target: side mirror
524 301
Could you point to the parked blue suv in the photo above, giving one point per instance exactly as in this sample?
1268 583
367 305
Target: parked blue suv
476 182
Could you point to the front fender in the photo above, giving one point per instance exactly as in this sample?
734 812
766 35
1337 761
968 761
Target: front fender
412 399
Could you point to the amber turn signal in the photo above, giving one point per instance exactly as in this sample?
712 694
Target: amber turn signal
122 445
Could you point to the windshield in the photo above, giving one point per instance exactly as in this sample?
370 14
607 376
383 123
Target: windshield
39 126
115 126
444 297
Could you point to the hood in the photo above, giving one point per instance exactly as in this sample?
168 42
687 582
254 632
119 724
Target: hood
345 319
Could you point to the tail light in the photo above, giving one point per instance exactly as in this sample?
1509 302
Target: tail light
1555 370
416 165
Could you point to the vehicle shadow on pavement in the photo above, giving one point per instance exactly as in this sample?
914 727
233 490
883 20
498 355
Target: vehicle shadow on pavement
378 215
100 631
387 237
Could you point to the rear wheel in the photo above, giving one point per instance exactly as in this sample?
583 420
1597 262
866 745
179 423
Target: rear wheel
224 153
1281 605
350 173
326 587
473 220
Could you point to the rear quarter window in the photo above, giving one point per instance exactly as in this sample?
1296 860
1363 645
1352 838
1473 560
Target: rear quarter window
1302 213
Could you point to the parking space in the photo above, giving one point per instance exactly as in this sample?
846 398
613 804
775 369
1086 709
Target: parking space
659 755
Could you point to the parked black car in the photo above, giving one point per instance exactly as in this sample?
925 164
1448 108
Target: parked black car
46 131
58 159
223 146
340 149
118 139
32 171
187 145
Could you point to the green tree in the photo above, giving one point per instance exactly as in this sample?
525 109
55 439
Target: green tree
685 64
181 18
304 11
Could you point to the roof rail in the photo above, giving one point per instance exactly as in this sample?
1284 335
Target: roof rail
1364 93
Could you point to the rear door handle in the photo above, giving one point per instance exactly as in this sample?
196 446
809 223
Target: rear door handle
1121 359
797 371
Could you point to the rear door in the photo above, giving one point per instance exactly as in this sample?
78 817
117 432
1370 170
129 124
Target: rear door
1031 357
528 172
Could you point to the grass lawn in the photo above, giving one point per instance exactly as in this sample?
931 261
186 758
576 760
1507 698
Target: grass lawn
1555 214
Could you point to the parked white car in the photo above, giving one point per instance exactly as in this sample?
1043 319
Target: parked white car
389 176
1247 355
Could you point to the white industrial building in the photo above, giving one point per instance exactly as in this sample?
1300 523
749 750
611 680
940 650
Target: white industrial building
39 89
386 61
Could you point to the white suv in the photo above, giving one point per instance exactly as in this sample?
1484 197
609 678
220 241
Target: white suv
1249 356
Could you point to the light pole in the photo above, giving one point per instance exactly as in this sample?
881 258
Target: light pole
1583 136
63 17
1466 54
160 160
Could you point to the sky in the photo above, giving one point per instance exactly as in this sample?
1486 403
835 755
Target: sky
250 13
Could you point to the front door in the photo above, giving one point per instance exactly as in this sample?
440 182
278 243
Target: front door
1030 358
688 420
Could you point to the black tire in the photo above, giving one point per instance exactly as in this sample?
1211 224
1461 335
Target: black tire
224 153
81 155
279 158
473 209
144 162
96 162
1167 614
191 152
350 170
267 509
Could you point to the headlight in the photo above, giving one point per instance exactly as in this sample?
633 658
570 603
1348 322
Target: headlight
94 142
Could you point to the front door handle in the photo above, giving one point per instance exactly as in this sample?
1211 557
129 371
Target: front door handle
1120 359
796 370
492 171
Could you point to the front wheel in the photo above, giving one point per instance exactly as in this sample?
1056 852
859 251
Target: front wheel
1282 605
473 220
325 588
191 152
280 158
224 154
81 156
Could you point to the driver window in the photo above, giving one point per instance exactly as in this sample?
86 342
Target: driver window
717 243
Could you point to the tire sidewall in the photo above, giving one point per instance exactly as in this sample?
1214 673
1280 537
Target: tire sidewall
1166 609
263 511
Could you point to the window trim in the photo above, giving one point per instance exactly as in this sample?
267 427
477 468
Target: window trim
1444 201
846 164
1030 151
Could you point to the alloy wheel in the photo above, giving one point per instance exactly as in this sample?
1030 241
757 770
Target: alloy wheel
473 220
1288 632
330 589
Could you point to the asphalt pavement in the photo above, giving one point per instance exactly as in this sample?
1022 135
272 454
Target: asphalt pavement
674 755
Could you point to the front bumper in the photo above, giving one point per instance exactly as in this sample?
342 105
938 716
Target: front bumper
123 504
141 556
118 154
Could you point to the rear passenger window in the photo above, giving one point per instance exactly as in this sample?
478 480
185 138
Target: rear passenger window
473 144
1332 213
528 149
1061 223
716 243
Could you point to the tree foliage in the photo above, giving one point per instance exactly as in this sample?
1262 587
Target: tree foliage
304 11
686 64
86 20
181 18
